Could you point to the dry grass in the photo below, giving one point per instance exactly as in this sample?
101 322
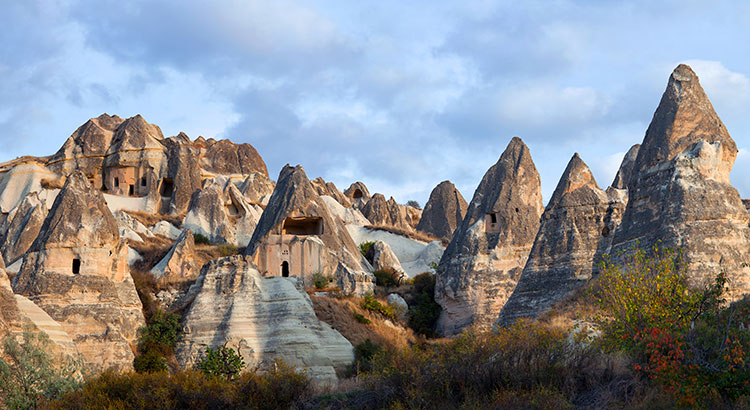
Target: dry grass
576 306
149 219
416 235
339 313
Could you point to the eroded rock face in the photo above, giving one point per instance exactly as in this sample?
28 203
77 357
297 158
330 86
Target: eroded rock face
386 213
256 187
576 230
227 158
358 194
680 192
77 272
383 257
267 318
484 260
179 262
329 189
24 223
184 172
298 236
626 168
443 212
86 147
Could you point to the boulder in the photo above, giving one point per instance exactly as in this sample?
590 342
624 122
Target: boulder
77 272
484 260
443 212
297 235
383 257
179 262
577 228
680 193
166 229
354 282
24 223
266 318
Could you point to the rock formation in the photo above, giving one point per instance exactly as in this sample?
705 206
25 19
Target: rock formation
626 168
76 270
577 228
329 189
679 191
443 212
24 223
226 158
179 262
386 213
358 194
297 235
266 318
382 257
256 187
484 260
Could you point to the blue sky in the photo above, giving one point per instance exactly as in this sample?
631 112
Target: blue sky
400 95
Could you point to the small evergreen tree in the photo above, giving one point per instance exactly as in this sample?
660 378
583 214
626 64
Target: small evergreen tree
222 362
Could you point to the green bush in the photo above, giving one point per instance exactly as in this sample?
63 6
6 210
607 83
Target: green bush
387 277
414 204
150 362
201 239
30 376
364 247
161 333
424 311
370 303
223 362
361 319
364 353
320 280
227 249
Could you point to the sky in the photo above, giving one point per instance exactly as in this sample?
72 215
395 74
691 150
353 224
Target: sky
400 95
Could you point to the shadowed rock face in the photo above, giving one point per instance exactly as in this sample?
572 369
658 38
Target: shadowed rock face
266 318
86 148
386 213
179 262
358 194
443 212
24 223
329 188
225 157
183 168
484 260
576 230
626 168
679 192
77 272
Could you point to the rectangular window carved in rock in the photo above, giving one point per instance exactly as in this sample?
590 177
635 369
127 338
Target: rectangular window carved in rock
76 266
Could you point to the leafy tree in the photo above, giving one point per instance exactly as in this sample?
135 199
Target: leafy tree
414 204
223 362
424 311
156 342
30 376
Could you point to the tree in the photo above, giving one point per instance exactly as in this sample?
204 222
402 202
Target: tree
222 362
29 375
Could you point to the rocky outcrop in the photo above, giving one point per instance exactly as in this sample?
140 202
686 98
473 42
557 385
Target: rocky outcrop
257 188
626 168
297 235
484 260
266 318
577 228
443 212
86 148
386 213
329 189
358 194
179 262
354 282
76 271
24 223
680 193
227 158
183 172
382 257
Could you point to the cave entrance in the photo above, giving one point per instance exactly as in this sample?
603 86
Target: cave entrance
167 187
285 269
303 226
357 194
76 266
131 190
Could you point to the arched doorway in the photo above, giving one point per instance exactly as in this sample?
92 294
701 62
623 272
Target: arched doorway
285 269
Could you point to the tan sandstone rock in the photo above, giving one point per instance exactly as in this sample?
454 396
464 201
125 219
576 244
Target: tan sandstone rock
484 260
24 223
179 262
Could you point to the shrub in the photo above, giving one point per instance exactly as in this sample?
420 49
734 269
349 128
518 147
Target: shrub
364 353
361 319
364 247
414 204
201 239
387 277
223 362
424 311
320 280
150 362
28 374
161 333
370 303
227 249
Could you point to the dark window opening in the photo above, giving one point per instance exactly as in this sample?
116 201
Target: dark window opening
303 226
605 231
357 194
516 209
143 181
131 190
76 266
167 187
117 182
285 269
493 218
